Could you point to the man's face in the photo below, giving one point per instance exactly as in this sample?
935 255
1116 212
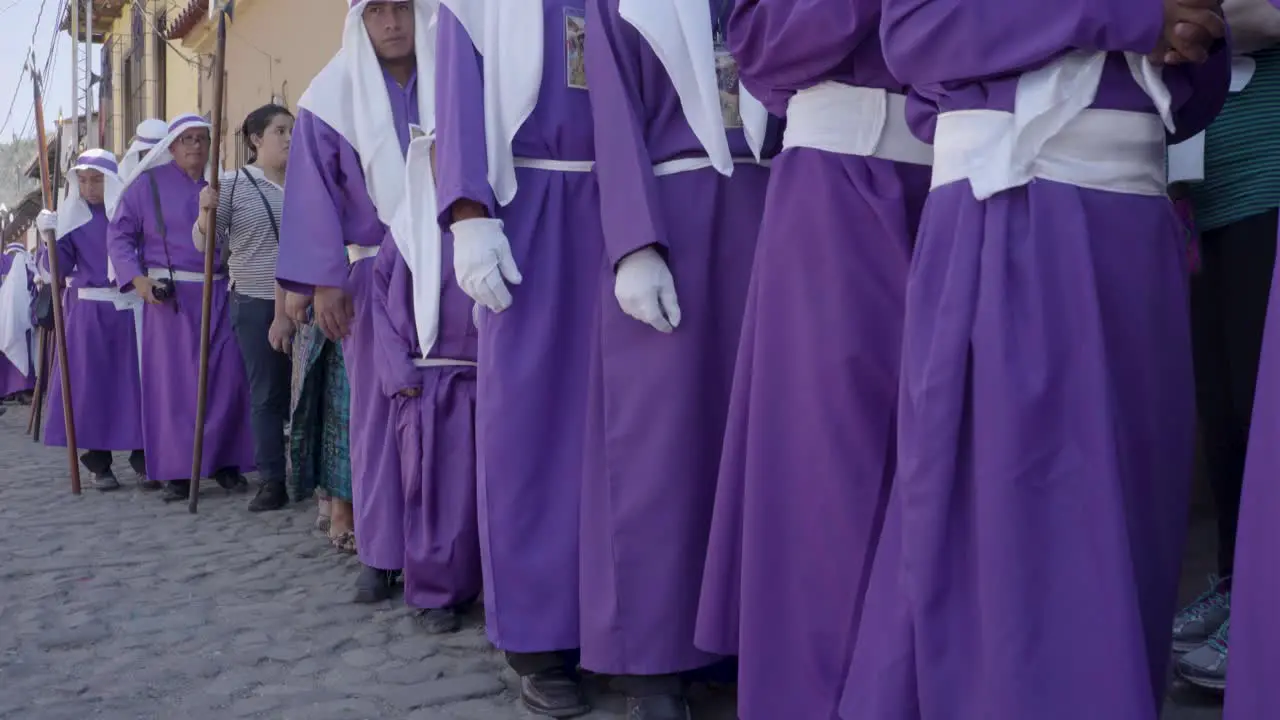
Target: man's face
91 186
191 150
390 27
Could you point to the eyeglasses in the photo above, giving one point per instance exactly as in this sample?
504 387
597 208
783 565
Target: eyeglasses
193 140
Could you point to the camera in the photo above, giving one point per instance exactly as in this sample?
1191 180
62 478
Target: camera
163 290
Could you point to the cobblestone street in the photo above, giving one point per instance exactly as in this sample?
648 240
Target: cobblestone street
118 606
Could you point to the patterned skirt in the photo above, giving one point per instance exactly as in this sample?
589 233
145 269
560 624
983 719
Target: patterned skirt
319 448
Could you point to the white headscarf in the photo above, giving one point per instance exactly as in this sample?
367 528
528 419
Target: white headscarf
75 212
350 95
149 133
680 33
15 310
509 35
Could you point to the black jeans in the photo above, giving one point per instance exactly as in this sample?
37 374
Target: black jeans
1228 314
269 375
99 461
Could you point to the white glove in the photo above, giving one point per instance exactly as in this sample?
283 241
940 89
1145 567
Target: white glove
482 260
646 290
47 221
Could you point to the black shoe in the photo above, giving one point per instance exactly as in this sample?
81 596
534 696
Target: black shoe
176 490
658 707
149 485
106 481
231 482
271 496
553 693
374 585
440 621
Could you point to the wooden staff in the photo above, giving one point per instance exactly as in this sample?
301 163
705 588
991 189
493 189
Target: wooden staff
210 249
55 286
35 424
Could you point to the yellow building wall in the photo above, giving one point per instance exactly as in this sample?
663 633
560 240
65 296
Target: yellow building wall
181 66
274 49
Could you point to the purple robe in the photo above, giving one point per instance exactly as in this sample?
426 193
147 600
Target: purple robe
435 432
171 334
659 402
12 381
102 351
808 456
1030 558
327 207
531 402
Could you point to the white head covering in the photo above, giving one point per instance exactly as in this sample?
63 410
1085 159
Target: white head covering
75 211
159 154
509 35
680 33
15 309
149 133
350 95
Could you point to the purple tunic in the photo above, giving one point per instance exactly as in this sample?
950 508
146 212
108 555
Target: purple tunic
327 207
12 381
435 431
531 402
659 402
808 455
1030 558
102 351
171 334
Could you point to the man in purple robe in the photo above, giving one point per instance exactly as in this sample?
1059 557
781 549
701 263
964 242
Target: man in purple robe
523 210
433 398
809 456
100 324
17 364
343 170
682 191
1030 558
1255 636
149 243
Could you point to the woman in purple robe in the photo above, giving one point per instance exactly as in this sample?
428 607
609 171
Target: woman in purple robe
681 206
808 456
433 401
332 226
1030 558
13 380
149 242
534 343
100 325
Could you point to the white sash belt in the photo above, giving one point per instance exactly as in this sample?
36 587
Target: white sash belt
356 253
432 362
698 162
850 120
183 276
566 166
1110 150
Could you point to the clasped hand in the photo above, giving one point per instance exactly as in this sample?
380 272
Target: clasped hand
1191 27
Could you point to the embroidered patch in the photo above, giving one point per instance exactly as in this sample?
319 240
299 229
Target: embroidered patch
575 35
727 81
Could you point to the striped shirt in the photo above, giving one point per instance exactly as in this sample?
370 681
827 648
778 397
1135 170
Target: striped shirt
1242 151
253 242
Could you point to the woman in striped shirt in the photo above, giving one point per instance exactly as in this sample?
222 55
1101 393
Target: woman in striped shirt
248 210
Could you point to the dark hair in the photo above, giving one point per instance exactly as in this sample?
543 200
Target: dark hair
257 123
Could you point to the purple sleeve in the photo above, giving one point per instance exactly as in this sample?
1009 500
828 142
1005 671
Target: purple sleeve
124 235
66 257
782 45
462 166
393 361
1210 82
312 248
937 41
629 205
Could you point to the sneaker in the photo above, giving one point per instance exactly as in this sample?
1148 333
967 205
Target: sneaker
1206 666
1197 622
